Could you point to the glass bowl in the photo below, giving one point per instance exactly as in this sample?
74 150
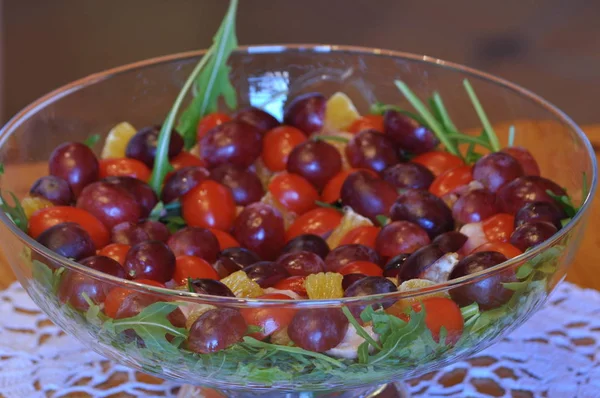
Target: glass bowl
265 76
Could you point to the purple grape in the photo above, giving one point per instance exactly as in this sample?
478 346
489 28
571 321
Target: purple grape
514 195
369 286
407 134
236 143
74 285
142 193
367 195
394 266
474 206
136 302
261 120
216 330
110 203
496 169
309 243
182 181
234 259
400 237
488 292
349 279
68 240
54 189
266 273
317 161
540 211
211 287
531 234
142 146
319 329
259 227
346 254
76 164
424 209
301 263
372 150
525 159
244 184
195 241
450 242
131 234
417 263
306 112
408 175
150 260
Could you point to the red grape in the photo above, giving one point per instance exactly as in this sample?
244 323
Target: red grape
372 150
54 189
346 254
259 227
408 175
540 211
496 170
368 195
194 241
76 164
450 241
182 181
301 263
211 287
68 239
266 273
150 260
261 120
424 209
216 330
306 112
309 243
475 206
109 203
417 263
525 159
517 193
400 237
244 184
142 145
531 234
234 259
236 143
317 161
318 329
407 134
142 193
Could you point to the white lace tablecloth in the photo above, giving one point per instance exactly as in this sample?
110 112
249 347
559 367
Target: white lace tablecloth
555 355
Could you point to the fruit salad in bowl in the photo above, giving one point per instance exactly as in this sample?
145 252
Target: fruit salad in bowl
305 219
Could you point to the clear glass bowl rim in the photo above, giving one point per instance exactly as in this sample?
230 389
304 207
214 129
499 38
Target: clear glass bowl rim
54 95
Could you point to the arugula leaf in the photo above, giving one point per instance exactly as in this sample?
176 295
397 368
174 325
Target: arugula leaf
15 212
383 220
92 140
359 329
487 127
213 81
152 326
565 202
174 223
334 206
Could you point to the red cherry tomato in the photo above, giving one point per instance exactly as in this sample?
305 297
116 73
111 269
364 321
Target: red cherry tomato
209 205
332 189
193 267
501 247
115 297
269 319
43 219
499 227
209 122
365 235
366 122
225 240
361 267
277 145
438 162
448 181
186 159
294 192
124 167
293 283
320 221
442 312
116 251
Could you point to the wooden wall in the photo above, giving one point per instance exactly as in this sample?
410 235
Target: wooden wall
549 46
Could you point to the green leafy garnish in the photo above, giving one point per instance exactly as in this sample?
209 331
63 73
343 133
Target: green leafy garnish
161 211
565 202
487 126
382 220
190 287
211 79
511 135
92 140
15 212
174 223
336 206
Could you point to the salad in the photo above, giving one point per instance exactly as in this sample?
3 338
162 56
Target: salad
325 204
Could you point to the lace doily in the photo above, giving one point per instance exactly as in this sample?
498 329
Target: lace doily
552 355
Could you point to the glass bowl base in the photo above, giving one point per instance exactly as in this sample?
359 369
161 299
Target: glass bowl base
391 390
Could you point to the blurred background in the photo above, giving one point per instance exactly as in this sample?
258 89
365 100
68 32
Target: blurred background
548 46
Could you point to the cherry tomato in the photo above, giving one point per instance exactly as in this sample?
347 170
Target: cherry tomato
293 283
366 122
448 181
438 162
186 159
209 122
499 227
320 221
361 267
124 167
365 235
116 251
331 192
209 205
43 219
115 297
501 247
269 319
442 312
277 145
193 267
294 192
225 240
